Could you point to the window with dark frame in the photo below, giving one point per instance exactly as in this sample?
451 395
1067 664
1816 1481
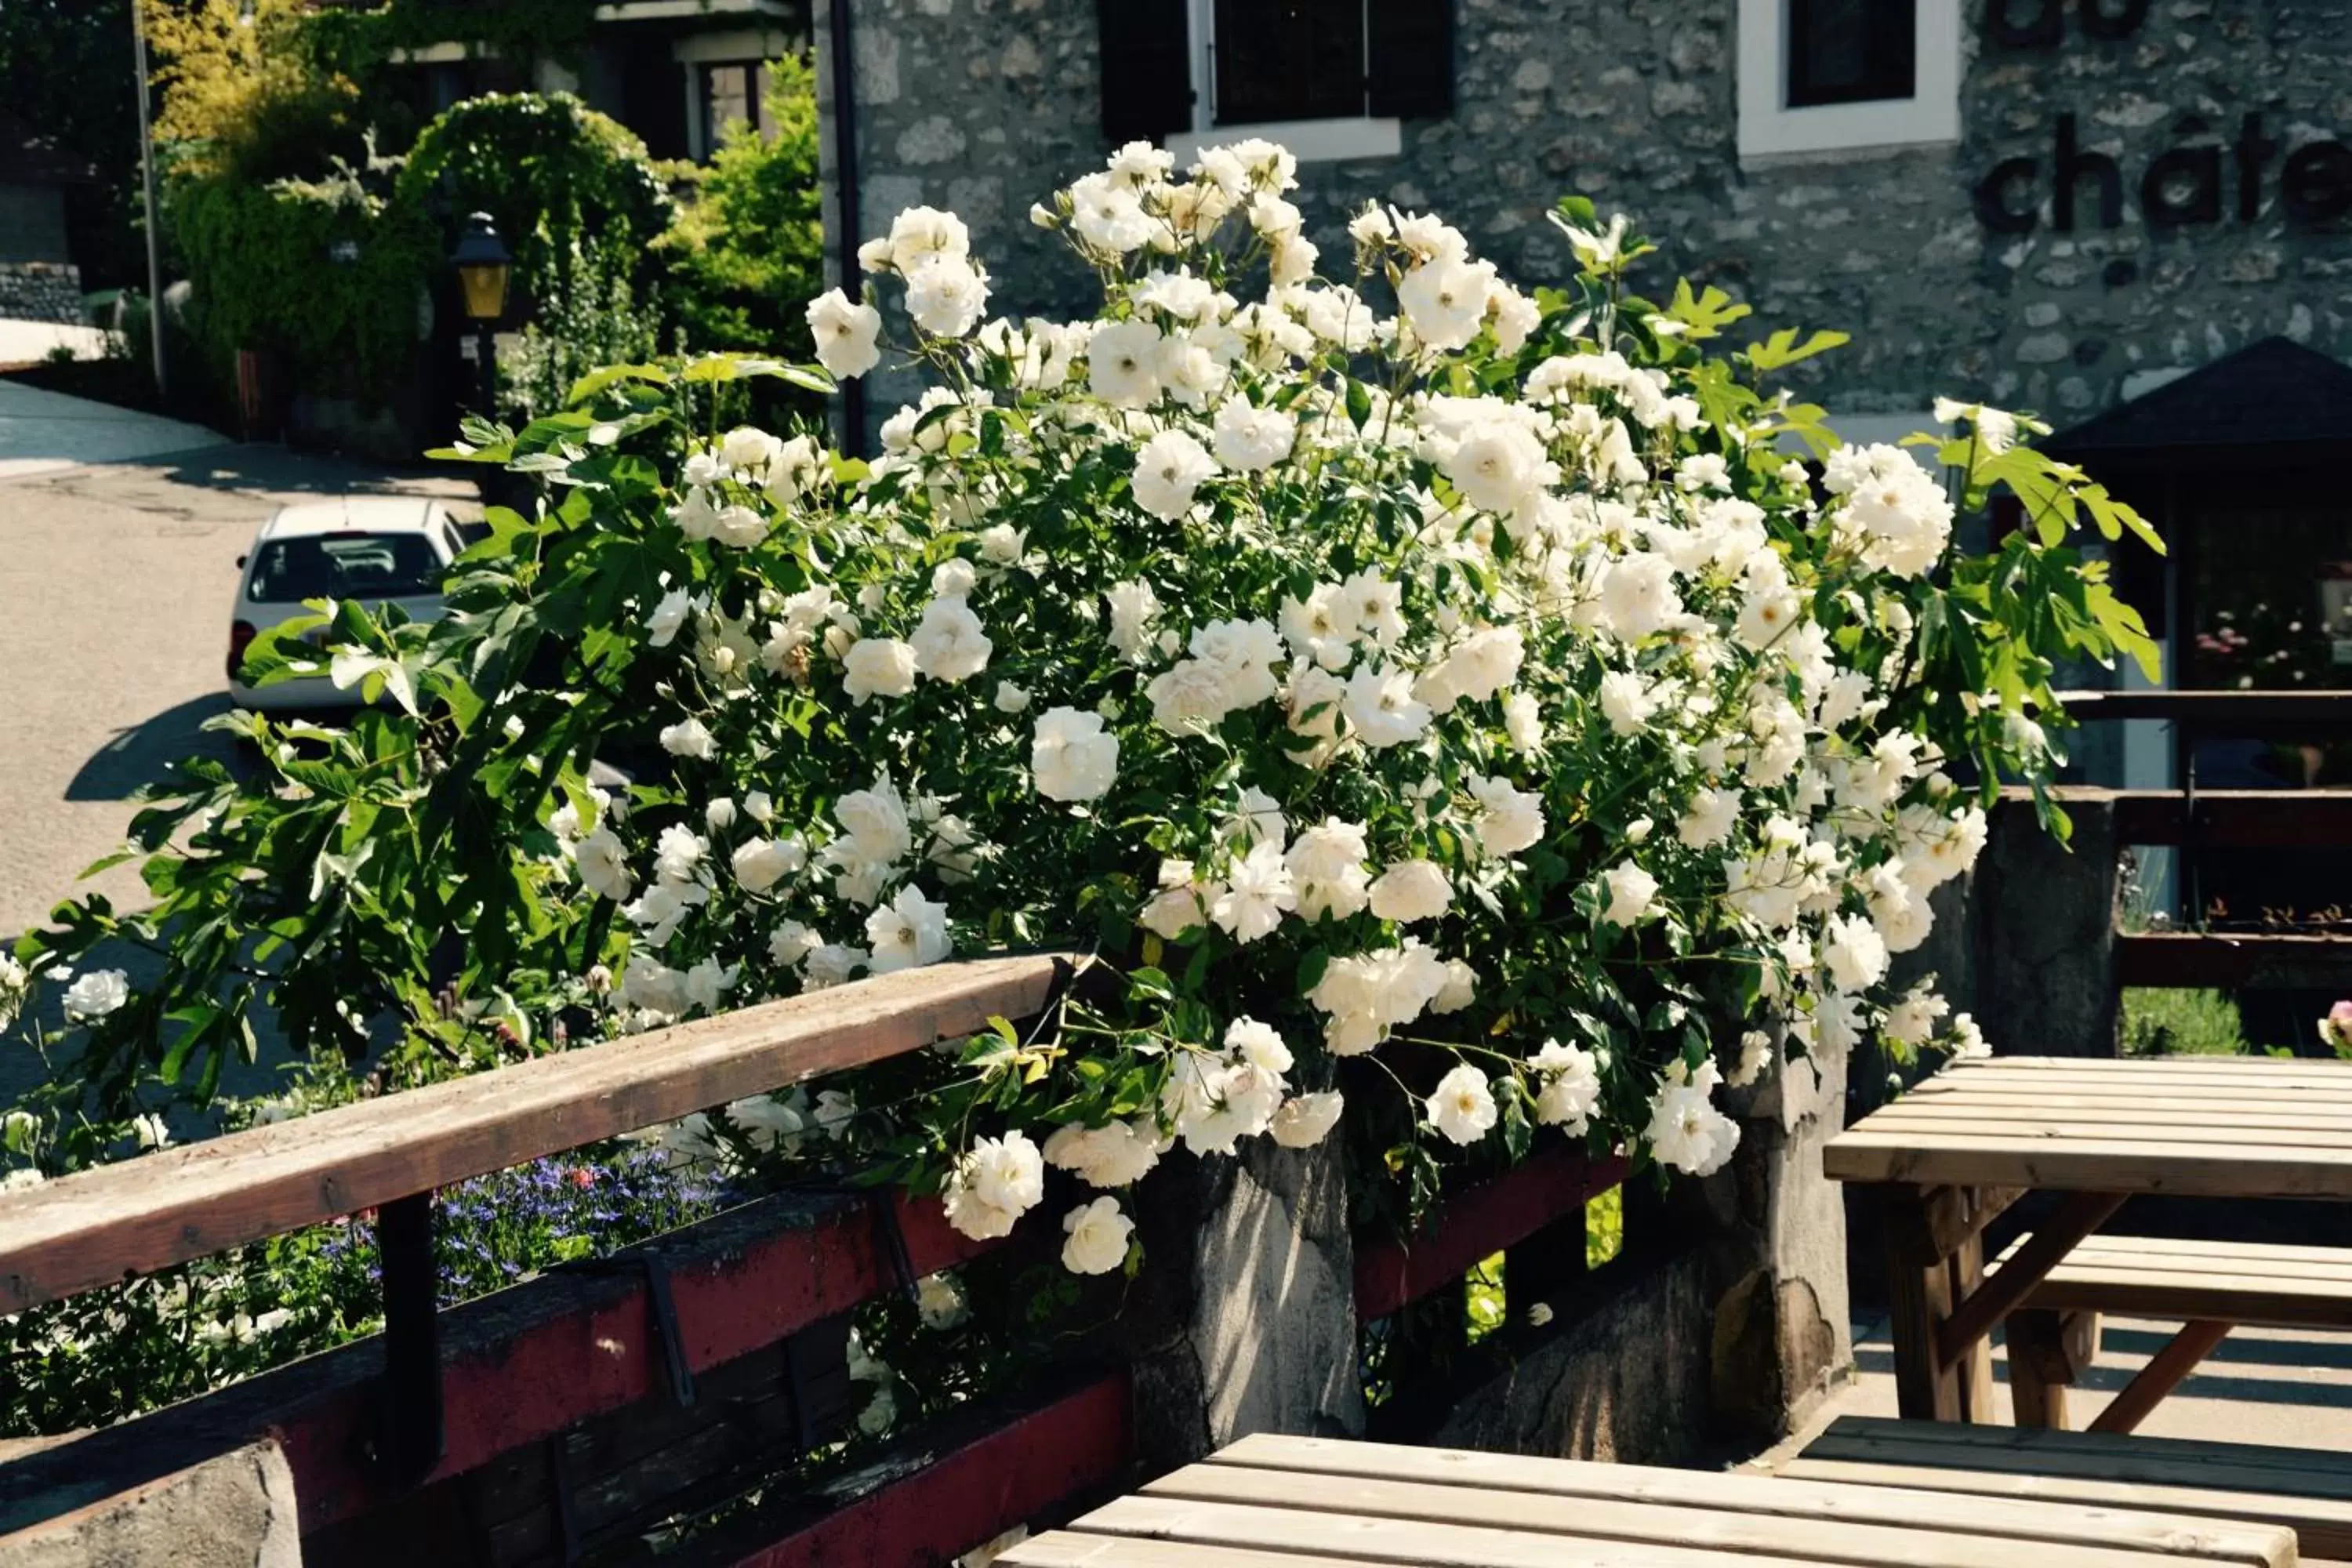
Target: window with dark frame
1852 51
731 92
1287 59
1270 62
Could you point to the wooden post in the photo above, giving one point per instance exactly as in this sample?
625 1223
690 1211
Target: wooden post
2162 1374
2048 1352
1972 1365
1918 1300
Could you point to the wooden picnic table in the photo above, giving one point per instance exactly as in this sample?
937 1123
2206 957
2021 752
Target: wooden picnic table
1308 1502
1963 1146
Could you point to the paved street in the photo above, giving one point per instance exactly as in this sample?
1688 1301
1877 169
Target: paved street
115 585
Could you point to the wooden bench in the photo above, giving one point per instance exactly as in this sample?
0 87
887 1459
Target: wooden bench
2211 1285
2305 1491
1304 1503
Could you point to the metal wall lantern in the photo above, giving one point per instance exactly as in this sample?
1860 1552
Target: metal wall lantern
483 265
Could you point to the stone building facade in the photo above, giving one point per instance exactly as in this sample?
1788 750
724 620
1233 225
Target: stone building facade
1949 259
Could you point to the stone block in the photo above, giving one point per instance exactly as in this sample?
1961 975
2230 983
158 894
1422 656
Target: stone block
235 1511
1621 1375
1247 1320
2042 916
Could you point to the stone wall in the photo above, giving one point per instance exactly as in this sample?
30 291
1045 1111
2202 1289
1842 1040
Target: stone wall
984 105
42 292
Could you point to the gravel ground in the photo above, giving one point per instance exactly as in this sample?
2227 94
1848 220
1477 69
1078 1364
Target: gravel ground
115 588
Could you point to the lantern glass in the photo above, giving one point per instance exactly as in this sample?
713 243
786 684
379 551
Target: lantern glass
485 287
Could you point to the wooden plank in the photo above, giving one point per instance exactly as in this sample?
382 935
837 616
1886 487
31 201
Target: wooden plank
2138 1293
2221 1133
1475 1223
2046 1109
2320 1529
2300 1072
2163 1373
2219 819
2114 1165
2259 1257
1067 1549
1399 1541
1726 1491
2153 1068
2162 1459
2231 818
2306 1490
520 1365
1527 1542
1974 1315
1951 1542
94 1227
952 1492
2234 713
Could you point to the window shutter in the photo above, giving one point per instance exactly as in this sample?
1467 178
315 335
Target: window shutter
1147 68
1413 58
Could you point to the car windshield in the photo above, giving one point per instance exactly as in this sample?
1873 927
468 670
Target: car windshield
365 566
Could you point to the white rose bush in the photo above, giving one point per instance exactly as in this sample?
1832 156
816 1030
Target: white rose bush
1453 713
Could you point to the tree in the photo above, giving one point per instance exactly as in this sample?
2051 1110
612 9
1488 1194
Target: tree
749 254
66 71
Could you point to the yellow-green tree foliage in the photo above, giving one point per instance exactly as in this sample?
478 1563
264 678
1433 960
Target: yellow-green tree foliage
243 91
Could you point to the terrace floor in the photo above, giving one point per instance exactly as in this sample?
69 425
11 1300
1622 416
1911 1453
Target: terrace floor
2286 1386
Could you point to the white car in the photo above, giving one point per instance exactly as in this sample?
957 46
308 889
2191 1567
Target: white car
376 550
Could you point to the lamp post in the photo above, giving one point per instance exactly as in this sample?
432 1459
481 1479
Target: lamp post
483 267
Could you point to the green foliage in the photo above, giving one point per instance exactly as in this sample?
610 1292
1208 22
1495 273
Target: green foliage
554 174
246 95
361 39
747 253
2175 1023
112 1354
261 259
592 317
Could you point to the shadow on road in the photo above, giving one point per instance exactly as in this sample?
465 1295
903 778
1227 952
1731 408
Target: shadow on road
258 467
137 756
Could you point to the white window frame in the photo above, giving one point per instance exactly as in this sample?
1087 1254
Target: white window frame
1309 140
1770 129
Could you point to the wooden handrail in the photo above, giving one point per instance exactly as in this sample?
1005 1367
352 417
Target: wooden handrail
521 1365
95 1227
1476 1223
2213 819
2229 961
2226 712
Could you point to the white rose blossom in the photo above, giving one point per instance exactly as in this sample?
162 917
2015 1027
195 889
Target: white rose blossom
1295 646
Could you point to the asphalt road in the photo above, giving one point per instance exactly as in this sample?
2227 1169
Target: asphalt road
116 581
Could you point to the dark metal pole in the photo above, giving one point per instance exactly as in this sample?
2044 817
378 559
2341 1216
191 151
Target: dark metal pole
844 158
147 178
411 1433
485 354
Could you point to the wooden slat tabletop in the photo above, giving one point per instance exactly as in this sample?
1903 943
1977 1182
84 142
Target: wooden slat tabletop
2202 1126
1268 1501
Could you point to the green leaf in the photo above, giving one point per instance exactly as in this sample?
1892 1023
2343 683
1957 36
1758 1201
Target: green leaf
1783 349
1706 315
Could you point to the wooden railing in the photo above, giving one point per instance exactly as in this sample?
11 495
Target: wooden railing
2041 942
443 1393
495 1388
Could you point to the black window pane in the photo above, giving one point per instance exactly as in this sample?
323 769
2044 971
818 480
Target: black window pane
727 99
1851 51
1288 59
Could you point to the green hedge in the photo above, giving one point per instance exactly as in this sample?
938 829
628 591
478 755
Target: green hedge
263 263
